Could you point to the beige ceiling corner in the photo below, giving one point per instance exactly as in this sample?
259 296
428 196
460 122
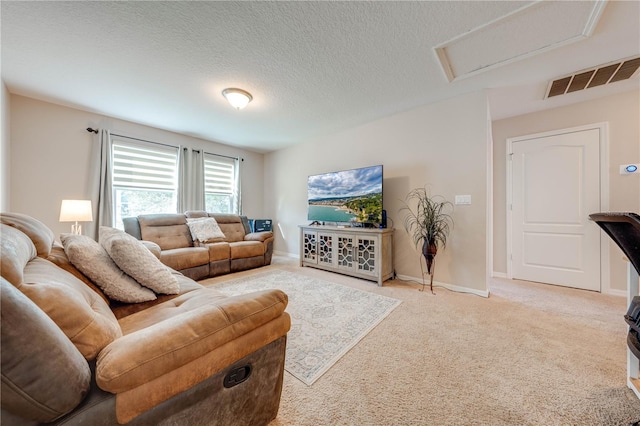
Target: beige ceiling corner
530 30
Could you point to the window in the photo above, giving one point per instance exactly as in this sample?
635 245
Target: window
220 184
144 179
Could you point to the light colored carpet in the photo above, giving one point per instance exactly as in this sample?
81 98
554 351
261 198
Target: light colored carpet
327 319
530 354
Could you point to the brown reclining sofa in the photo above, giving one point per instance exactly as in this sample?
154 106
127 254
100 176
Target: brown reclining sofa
239 250
71 356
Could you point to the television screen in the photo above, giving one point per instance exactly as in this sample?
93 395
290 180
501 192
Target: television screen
353 196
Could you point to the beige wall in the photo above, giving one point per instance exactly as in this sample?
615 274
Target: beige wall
444 145
51 158
5 164
622 113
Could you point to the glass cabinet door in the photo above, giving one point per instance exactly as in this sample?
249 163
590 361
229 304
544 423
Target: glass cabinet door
325 249
310 246
366 256
345 250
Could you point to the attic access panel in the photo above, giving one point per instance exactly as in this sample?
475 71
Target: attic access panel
530 30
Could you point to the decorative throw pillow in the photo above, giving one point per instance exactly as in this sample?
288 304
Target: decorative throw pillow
44 373
205 230
136 260
94 261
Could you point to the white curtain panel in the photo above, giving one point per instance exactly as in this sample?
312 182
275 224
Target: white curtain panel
183 178
104 212
190 179
238 187
197 189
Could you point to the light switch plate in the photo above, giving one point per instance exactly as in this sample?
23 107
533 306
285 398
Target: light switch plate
463 199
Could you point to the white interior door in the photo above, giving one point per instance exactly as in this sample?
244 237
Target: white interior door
555 186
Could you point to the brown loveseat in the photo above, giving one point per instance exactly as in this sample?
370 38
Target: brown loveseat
72 356
239 250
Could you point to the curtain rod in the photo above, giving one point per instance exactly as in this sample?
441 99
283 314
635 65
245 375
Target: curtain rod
89 129
220 155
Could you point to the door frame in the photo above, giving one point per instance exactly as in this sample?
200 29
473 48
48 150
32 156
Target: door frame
605 276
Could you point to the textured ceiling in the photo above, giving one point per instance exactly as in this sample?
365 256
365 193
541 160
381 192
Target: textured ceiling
312 67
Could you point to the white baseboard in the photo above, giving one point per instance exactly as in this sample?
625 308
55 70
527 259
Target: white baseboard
452 287
613 292
285 254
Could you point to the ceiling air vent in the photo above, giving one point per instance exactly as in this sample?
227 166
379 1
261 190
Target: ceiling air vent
603 74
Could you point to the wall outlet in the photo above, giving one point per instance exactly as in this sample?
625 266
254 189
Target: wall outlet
463 200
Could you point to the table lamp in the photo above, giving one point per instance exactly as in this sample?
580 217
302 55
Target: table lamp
76 211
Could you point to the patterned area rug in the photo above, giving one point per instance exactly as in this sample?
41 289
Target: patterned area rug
327 319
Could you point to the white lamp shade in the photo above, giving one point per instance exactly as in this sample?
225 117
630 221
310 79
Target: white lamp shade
76 211
238 98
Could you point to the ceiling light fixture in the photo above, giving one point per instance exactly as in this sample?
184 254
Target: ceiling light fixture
238 98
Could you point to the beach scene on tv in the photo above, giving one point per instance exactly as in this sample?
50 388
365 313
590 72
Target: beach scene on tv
346 196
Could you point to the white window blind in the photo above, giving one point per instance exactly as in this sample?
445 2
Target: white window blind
219 176
136 166
220 184
145 179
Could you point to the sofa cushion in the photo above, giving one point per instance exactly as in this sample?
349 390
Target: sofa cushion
41 236
218 251
136 260
232 226
184 258
205 230
94 261
169 231
81 314
244 249
16 250
43 375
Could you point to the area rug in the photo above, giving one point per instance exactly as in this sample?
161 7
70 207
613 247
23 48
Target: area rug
327 319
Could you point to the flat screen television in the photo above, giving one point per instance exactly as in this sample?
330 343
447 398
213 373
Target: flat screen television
352 196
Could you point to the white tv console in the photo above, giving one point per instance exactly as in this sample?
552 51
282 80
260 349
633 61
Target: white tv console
360 252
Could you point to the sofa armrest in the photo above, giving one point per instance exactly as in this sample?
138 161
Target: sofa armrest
258 236
185 329
153 248
132 226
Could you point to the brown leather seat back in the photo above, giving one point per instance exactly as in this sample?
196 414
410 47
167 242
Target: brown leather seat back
169 231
